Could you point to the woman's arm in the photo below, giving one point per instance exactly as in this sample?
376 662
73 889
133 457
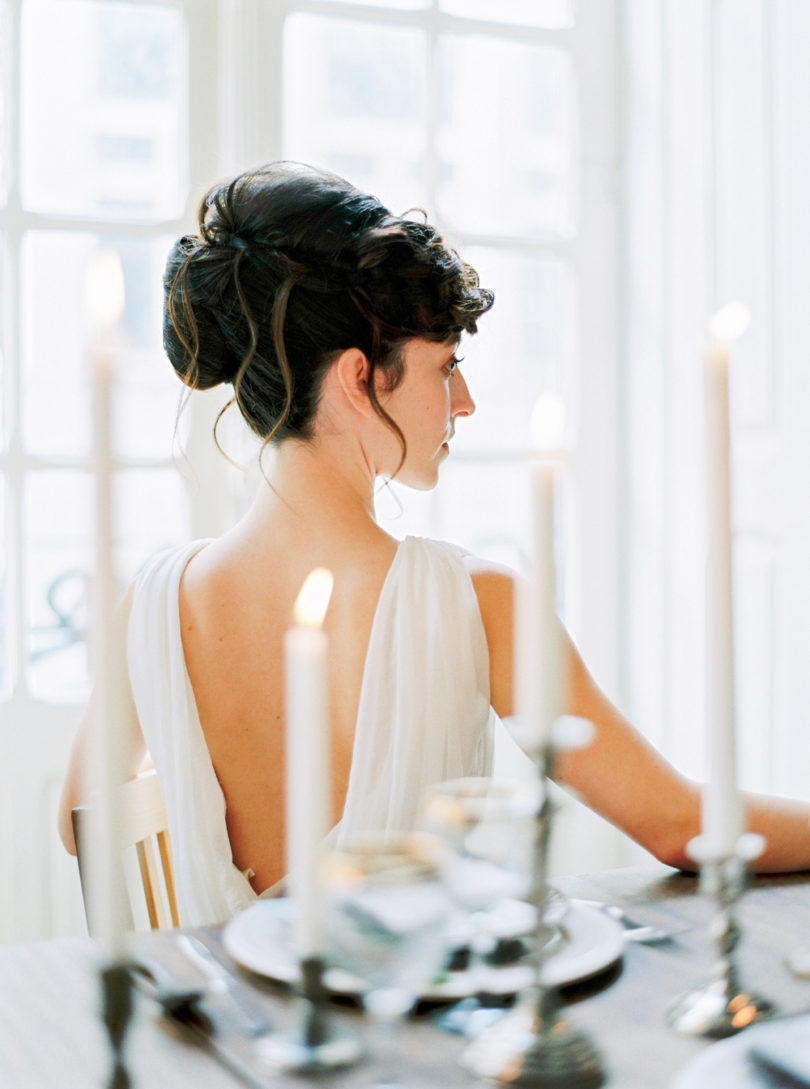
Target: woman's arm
74 789
621 775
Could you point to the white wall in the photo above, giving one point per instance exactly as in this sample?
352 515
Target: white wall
717 180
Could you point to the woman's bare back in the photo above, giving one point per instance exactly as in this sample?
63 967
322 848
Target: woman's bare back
236 602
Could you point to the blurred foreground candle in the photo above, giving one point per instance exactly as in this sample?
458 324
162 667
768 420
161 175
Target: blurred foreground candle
104 306
539 673
722 818
307 783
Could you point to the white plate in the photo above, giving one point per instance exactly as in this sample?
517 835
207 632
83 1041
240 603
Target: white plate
592 941
726 1064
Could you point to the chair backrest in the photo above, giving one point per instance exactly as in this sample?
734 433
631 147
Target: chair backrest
144 827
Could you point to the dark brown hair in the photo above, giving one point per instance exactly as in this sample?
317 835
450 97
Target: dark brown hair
292 266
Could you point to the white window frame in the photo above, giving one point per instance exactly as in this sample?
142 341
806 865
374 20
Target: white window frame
42 898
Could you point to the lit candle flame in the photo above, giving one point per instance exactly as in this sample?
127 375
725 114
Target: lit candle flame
729 322
313 598
548 422
104 293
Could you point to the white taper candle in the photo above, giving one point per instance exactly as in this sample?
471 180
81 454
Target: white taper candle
104 305
307 782
722 818
539 662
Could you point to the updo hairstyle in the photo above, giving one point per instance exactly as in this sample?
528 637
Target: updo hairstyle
291 267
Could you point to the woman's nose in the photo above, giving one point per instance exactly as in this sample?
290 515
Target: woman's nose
462 403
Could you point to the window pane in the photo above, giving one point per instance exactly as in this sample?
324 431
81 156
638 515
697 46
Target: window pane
506 139
540 13
404 512
355 103
147 392
150 511
58 536
488 510
103 112
56 379
527 344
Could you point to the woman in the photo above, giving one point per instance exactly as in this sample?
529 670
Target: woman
337 324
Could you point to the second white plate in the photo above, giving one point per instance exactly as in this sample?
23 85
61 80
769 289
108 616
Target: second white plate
592 942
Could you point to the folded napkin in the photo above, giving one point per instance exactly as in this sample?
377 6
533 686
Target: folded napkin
783 1048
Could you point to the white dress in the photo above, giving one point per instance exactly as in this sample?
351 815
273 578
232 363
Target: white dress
424 713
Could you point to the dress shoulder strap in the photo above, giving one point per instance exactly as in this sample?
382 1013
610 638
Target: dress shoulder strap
424 713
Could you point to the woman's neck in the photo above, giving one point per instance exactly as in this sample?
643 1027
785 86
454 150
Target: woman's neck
320 485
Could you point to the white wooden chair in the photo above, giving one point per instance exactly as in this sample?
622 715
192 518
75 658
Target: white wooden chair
144 827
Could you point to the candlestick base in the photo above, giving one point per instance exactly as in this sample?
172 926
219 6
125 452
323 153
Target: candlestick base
722 1007
534 1048
717 1010
315 1044
116 1010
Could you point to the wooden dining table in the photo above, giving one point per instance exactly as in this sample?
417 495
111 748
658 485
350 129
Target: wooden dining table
51 1036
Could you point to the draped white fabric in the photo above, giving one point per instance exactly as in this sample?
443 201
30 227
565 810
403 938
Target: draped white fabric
424 713
209 887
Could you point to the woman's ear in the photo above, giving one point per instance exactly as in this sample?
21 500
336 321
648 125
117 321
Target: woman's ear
352 370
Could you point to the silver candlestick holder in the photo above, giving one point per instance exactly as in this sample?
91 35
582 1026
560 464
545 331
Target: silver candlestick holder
722 1006
314 1043
532 1045
116 1013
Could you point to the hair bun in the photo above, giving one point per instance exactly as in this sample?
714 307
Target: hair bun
290 266
196 336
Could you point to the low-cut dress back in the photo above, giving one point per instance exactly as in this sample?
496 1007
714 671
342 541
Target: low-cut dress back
424 713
